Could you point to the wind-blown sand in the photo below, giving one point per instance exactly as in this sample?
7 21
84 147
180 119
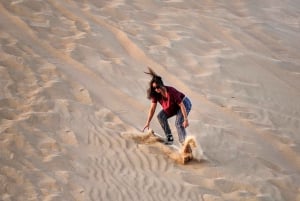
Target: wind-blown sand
72 85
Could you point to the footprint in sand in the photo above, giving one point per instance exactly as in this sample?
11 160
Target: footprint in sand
82 95
49 149
67 136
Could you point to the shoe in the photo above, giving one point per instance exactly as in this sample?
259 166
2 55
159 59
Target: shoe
169 140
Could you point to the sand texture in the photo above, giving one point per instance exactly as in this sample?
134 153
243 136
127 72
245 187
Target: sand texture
73 96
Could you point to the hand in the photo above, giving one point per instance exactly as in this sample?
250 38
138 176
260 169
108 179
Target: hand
185 123
146 126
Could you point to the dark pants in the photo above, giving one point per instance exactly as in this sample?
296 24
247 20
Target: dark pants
163 120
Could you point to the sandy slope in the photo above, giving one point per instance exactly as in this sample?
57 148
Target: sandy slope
72 85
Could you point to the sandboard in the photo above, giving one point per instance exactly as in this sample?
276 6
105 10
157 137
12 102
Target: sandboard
185 152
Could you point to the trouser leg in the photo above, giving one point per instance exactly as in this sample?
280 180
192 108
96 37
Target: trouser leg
179 120
163 120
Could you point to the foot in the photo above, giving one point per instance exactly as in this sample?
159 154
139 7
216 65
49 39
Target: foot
169 140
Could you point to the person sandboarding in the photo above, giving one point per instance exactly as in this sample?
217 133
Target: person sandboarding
174 103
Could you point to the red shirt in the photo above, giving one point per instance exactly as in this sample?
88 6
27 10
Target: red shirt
170 104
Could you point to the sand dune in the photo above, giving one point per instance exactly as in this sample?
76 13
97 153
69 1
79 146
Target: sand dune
73 87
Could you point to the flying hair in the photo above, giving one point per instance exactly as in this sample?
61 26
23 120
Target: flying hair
155 78
151 72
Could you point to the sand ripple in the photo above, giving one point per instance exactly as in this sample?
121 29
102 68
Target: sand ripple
72 99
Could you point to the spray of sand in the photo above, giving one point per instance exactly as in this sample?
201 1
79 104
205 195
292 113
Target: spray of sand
188 151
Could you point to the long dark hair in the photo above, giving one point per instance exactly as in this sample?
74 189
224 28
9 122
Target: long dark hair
151 93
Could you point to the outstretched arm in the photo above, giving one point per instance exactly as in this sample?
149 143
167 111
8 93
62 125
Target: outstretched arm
150 115
184 113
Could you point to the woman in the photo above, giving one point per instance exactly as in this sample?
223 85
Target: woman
173 102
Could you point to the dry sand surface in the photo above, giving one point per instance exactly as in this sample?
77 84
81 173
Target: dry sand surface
72 86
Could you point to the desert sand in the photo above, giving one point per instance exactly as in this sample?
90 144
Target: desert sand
73 85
